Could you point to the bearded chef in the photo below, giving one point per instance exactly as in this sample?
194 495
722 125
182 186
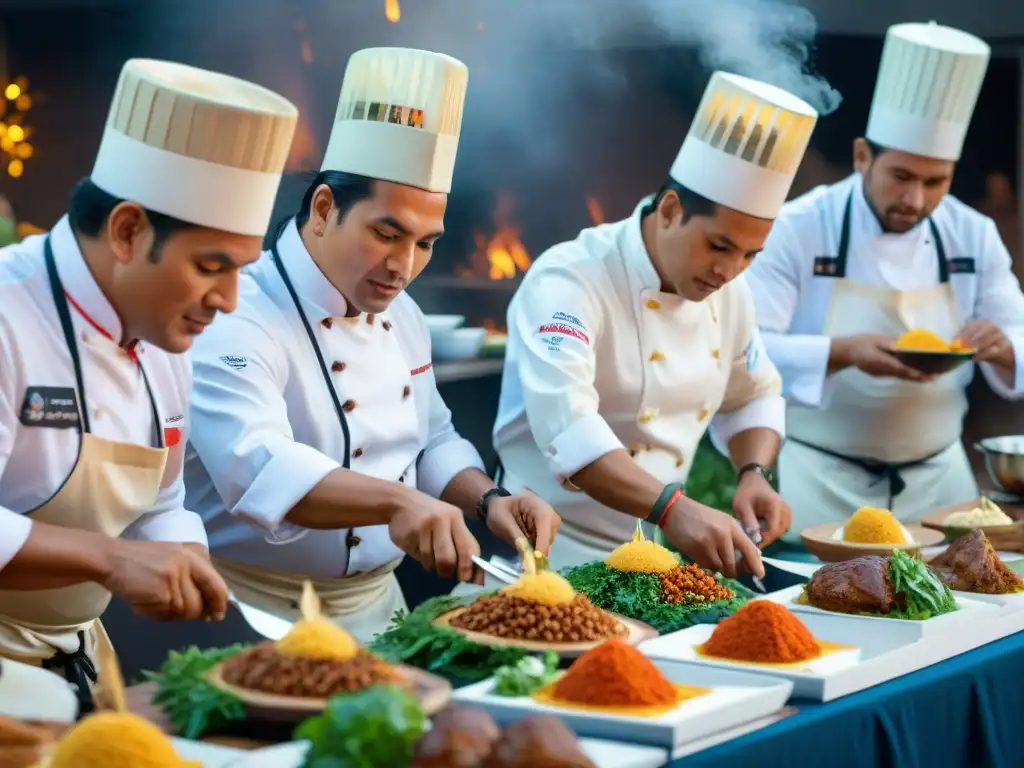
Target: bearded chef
94 318
851 266
321 448
626 343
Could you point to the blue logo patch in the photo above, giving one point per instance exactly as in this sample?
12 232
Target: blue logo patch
233 361
564 317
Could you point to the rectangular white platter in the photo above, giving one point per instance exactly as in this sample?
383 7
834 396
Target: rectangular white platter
737 697
1011 602
875 656
970 611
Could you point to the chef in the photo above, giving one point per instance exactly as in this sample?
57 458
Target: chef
626 343
321 448
849 267
94 394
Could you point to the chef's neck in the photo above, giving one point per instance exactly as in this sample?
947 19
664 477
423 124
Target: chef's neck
312 242
100 261
648 232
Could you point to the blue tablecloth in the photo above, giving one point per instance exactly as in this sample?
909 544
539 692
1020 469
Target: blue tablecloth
966 712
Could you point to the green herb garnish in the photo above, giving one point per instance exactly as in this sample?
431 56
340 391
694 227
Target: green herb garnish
191 703
925 595
414 639
526 675
376 727
638 596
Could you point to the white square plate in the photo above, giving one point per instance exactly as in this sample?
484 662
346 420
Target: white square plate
736 697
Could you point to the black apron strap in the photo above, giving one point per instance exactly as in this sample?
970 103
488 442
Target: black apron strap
78 670
347 462
64 313
940 250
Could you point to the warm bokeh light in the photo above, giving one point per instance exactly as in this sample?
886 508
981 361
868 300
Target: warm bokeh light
14 133
392 11
12 91
15 168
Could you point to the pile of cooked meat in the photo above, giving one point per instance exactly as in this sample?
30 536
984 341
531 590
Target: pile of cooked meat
469 738
972 565
860 585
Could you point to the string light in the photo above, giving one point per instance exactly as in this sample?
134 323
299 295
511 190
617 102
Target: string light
14 132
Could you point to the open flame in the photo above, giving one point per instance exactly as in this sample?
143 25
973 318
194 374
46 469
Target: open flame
594 210
392 12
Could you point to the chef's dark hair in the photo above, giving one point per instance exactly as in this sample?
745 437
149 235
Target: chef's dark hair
693 204
876 149
90 207
347 189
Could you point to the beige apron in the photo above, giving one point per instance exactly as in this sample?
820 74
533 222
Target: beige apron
880 442
363 603
110 487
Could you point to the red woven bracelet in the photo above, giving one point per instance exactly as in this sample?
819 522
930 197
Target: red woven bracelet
668 507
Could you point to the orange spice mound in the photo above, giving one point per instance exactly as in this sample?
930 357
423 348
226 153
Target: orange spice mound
615 674
762 632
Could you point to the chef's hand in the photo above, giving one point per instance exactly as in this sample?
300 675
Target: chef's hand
435 534
166 581
523 515
710 538
756 500
870 353
989 343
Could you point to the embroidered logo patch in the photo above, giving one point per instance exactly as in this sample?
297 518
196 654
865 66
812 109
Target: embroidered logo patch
173 435
233 361
55 407
564 329
565 317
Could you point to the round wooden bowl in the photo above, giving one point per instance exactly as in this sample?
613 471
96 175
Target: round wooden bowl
931 362
637 632
434 694
819 542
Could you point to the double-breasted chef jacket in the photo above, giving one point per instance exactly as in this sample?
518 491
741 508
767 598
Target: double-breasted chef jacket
74 402
855 440
600 358
267 429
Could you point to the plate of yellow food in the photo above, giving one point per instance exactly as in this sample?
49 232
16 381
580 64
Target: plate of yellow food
971 568
868 531
614 691
541 612
983 515
292 678
928 352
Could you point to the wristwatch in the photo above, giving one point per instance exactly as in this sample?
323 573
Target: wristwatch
485 501
757 469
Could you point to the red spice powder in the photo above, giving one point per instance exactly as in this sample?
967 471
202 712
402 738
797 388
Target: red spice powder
762 632
615 674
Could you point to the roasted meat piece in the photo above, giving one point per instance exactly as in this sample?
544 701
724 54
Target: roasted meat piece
461 737
860 585
972 565
540 741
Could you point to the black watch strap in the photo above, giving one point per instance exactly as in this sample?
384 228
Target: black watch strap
757 469
485 501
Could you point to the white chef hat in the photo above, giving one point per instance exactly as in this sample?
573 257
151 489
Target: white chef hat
199 146
399 117
928 85
745 144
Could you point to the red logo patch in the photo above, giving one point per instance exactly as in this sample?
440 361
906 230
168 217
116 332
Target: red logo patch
421 369
172 436
565 330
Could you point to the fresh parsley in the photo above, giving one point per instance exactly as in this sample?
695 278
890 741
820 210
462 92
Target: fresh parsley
526 675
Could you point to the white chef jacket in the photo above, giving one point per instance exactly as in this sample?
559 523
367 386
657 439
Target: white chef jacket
35 460
792 301
266 430
599 358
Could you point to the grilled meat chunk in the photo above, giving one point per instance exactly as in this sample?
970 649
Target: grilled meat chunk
860 585
972 565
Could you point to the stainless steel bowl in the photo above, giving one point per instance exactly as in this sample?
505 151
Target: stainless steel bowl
1004 460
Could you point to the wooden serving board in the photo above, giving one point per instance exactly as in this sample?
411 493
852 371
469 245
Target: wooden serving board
1005 538
637 632
433 693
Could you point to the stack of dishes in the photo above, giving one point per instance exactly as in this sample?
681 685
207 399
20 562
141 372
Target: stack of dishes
450 341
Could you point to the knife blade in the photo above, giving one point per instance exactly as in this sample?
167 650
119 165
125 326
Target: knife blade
754 534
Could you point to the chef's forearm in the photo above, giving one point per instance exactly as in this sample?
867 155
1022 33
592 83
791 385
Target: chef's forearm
54 557
465 489
347 499
755 446
840 354
617 481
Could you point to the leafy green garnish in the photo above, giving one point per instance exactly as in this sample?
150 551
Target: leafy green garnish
379 726
526 675
414 639
192 704
638 596
926 596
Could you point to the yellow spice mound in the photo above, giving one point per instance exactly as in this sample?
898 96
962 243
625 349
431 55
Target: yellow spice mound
871 525
925 341
544 587
116 740
319 639
642 556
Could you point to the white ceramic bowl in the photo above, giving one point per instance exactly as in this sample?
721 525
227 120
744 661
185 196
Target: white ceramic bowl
439 325
459 344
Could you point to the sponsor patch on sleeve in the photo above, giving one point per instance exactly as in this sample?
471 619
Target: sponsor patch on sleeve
565 317
54 407
563 329
234 361
172 430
